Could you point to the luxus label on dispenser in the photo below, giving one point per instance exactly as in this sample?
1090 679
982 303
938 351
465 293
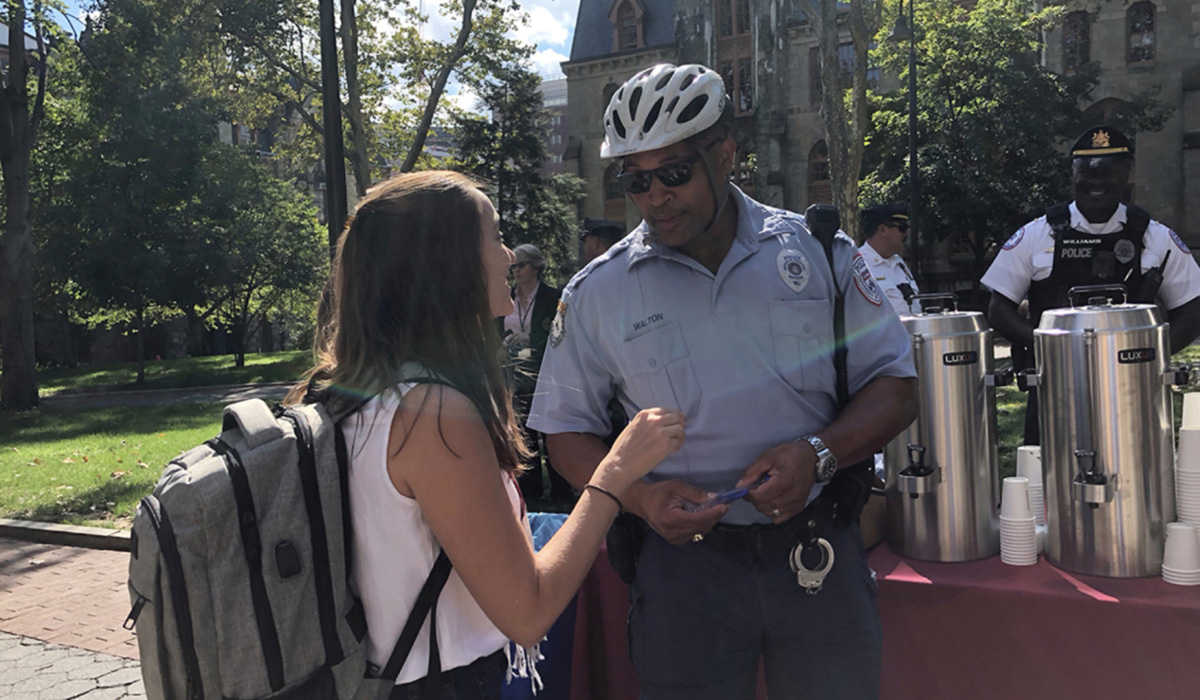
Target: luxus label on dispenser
1135 355
967 357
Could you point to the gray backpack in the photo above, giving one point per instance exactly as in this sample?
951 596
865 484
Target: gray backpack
239 564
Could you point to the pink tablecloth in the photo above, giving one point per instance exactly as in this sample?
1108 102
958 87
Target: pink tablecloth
979 630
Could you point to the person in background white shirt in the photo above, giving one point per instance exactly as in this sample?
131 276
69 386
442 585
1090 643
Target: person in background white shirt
886 228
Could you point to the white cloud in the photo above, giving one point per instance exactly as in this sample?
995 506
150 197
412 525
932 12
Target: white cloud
551 23
546 63
547 27
462 97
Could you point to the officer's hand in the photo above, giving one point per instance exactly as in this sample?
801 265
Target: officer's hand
792 468
664 505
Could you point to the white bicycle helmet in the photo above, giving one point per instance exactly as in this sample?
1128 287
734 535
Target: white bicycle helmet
661 106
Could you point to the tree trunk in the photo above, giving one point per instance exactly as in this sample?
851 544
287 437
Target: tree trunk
439 84
68 341
141 342
845 129
359 152
195 333
18 383
18 125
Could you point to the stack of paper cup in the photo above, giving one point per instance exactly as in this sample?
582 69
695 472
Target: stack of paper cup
1029 465
1187 462
1018 530
1181 560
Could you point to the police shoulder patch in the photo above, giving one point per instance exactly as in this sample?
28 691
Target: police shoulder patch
1015 239
865 281
1179 241
558 328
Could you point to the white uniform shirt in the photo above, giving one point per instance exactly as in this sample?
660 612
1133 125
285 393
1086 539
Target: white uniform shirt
890 272
746 354
1028 256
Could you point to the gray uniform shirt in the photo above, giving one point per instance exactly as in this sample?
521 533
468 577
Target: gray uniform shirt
746 354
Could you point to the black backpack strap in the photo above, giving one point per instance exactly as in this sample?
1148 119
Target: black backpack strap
1059 216
1137 220
421 609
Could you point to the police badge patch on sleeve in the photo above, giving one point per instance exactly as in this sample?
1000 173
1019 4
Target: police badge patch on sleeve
558 329
1179 241
1014 239
865 281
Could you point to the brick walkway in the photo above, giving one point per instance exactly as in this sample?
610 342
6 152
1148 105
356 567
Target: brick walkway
66 595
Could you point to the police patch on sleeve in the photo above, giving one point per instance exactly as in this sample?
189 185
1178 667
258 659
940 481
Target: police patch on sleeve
1179 241
794 269
558 329
1015 239
865 281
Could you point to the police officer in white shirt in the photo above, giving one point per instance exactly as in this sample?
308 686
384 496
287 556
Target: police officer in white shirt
723 308
1093 240
886 228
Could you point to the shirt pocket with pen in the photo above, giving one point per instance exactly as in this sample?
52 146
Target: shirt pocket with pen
802 335
660 370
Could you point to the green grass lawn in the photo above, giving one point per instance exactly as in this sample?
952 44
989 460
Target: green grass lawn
215 370
92 466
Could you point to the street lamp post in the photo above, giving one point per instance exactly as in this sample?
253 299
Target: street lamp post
901 32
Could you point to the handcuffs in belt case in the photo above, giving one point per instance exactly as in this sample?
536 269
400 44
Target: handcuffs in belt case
811 580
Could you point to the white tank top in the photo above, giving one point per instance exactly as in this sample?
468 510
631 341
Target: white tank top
394 551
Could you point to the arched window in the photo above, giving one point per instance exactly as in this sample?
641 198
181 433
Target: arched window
627 27
820 188
614 195
1139 25
609 91
1077 41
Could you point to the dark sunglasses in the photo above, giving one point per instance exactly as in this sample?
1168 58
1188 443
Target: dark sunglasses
901 225
675 174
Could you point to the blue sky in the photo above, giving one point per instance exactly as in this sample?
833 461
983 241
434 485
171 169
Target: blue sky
550 28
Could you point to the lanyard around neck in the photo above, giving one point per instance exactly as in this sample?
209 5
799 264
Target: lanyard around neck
523 316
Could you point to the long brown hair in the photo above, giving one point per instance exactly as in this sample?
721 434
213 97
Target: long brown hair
408 286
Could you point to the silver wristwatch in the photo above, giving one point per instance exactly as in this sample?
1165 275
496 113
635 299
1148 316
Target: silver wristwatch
826 462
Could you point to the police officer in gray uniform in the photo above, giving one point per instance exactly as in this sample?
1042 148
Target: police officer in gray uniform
722 308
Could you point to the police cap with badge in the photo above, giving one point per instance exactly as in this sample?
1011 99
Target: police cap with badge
1102 141
602 228
883 213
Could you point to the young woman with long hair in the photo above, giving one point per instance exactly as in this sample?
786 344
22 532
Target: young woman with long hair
419 278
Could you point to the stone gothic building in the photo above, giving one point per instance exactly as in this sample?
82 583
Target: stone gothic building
768 56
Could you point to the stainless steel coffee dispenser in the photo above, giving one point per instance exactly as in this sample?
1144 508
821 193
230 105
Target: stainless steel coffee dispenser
942 475
1106 429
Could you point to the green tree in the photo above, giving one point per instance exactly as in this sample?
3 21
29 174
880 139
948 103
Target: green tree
133 249
992 121
508 151
266 248
152 216
21 111
393 77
